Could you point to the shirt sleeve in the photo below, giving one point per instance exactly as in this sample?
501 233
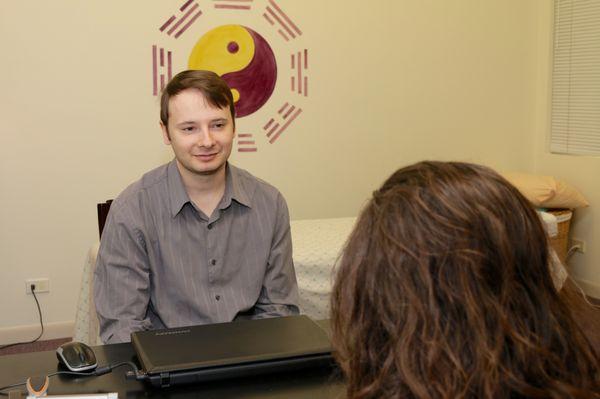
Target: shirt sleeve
121 278
279 292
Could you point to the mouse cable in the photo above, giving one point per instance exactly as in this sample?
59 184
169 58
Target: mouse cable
41 323
97 372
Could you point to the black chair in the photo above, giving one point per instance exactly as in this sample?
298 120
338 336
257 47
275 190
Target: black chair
103 209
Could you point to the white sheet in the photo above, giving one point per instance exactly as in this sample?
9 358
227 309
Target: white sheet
317 245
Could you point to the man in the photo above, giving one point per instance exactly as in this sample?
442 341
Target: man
197 240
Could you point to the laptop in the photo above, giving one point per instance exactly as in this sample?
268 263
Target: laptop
227 350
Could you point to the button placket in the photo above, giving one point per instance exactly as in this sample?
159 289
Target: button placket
211 257
210 249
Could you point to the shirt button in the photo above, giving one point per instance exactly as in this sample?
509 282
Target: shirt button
213 262
209 226
217 297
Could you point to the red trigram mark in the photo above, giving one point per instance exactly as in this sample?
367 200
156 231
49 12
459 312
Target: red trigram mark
280 21
286 115
190 12
299 80
162 68
233 4
246 143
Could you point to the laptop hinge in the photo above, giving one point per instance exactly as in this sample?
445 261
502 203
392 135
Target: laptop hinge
165 380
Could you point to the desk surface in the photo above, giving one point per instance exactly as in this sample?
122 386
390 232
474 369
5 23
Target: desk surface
312 384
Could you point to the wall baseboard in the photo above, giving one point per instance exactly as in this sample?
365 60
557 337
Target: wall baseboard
589 288
62 329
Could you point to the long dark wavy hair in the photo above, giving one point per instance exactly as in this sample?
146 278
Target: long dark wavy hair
444 291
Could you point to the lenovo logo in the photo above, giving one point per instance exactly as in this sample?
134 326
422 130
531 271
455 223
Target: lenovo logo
176 332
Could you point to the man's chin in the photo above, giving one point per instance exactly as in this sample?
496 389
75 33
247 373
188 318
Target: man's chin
208 170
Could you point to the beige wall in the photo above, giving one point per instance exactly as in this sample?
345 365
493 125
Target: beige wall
580 171
392 82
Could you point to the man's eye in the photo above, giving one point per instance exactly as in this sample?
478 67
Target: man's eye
188 129
218 125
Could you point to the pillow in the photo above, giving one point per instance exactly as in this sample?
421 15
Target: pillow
546 191
566 196
536 189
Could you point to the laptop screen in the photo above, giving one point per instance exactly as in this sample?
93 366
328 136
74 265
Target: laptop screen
223 344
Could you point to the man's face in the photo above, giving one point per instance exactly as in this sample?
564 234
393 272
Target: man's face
201 135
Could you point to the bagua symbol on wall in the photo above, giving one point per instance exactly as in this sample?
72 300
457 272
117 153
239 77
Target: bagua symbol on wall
242 56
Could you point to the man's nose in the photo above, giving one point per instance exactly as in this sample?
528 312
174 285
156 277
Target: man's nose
206 138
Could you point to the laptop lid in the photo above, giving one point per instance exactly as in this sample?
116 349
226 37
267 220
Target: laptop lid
228 344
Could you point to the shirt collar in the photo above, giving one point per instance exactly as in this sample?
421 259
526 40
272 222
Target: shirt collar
234 188
177 194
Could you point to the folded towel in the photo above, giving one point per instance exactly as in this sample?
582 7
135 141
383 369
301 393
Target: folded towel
550 222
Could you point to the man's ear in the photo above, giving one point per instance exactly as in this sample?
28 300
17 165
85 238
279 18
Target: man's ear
165 132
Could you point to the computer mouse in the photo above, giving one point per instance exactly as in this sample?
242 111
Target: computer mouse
77 356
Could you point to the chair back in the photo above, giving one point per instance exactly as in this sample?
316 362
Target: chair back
103 209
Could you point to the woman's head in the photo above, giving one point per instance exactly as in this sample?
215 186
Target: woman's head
444 290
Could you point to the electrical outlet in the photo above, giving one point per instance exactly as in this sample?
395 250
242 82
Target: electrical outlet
41 285
580 244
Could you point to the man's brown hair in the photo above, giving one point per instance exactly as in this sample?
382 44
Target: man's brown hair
212 86
444 290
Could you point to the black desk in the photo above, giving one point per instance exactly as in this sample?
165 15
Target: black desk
306 384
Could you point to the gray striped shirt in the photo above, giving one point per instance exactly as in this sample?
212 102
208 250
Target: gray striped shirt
163 263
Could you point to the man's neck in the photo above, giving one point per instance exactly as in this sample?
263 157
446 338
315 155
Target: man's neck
205 191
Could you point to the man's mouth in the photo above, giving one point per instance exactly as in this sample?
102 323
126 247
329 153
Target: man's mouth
206 157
